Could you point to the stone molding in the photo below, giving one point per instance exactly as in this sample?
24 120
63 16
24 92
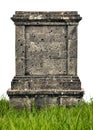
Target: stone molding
46 18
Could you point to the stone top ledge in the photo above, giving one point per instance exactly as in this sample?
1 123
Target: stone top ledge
62 16
47 12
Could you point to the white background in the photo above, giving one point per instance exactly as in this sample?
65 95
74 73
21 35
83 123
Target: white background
85 37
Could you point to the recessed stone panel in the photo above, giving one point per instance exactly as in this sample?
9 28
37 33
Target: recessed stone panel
46 50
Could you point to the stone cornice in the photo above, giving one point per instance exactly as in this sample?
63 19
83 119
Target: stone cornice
46 18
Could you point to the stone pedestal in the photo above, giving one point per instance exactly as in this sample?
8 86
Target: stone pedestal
46 59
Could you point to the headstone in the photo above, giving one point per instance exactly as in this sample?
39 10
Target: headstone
46 59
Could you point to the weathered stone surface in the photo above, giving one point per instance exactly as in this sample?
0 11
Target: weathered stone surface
46 59
41 45
46 82
20 50
44 97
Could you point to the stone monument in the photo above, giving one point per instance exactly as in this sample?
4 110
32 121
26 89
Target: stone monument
46 59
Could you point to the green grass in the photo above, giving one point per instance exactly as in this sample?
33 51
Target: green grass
50 118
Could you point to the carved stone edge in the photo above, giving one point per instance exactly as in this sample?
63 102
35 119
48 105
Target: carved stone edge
77 93
46 18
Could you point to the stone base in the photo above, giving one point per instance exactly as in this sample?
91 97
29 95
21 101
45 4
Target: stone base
36 82
45 90
21 98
